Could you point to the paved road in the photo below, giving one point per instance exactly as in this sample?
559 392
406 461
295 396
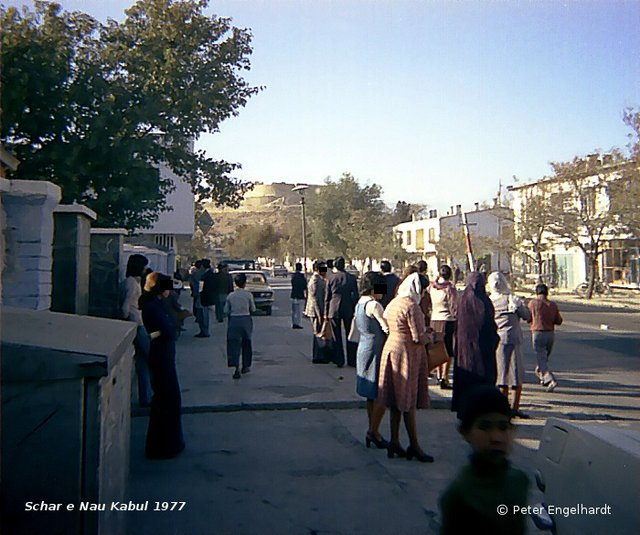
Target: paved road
303 469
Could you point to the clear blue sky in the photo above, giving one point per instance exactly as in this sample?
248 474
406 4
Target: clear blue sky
436 101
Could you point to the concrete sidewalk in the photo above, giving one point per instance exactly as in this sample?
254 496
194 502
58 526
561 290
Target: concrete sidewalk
282 375
281 451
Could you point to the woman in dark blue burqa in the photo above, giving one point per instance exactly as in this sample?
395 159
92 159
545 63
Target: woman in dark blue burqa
164 434
477 340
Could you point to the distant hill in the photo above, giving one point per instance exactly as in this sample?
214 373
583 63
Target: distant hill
273 203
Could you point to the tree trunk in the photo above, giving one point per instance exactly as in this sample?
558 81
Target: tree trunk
539 262
593 270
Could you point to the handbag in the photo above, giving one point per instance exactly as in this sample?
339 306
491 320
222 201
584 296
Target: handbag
354 333
437 353
326 332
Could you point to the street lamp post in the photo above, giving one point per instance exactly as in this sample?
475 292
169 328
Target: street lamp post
300 190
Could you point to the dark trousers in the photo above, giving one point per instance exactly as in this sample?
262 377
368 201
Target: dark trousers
239 331
337 348
320 351
164 434
219 303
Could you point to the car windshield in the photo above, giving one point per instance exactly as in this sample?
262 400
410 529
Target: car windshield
256 279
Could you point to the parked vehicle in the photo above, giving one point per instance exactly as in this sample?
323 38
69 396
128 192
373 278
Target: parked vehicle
259 287
279 271
589 475
241 264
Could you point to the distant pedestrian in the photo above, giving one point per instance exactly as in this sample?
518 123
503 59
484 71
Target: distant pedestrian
298 296
223 287
391 279
239 306
373 330
314 310
484 495
195 285
444 300
131 292
403 378
207 298
544 317
509 310
340 301
476 340
164 435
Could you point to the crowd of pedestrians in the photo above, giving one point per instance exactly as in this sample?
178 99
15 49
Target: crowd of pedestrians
383 328
386 329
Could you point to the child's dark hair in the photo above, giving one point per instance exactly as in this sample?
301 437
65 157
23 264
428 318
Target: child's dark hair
542 289
481 400
240 279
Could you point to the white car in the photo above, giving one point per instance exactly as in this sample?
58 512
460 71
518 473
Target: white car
590 477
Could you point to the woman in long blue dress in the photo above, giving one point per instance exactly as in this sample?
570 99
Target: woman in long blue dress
164 434
373 330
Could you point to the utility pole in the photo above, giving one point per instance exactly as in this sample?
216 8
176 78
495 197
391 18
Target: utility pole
300 190
467 239
498 214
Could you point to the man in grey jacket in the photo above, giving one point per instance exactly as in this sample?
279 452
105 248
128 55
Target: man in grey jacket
314 310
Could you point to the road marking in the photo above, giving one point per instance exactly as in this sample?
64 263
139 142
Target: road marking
589 327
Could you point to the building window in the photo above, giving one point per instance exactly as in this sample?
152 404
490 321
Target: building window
420 239
408 237
432 235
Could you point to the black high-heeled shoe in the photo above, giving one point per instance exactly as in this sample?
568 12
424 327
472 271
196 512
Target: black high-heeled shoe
379 443
422 457
395 449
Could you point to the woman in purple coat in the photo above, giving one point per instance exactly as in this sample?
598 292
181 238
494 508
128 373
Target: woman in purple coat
164 434
477 340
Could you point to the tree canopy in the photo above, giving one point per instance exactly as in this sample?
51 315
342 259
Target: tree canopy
351 220
625 192
97 108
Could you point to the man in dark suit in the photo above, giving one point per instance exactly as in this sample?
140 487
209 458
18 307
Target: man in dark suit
222 286
206 299
340 302
391 279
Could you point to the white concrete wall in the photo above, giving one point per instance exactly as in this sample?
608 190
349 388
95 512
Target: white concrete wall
28 207
181 219
158 260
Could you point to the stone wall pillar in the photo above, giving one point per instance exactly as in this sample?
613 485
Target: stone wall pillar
71 251
28 207
105 272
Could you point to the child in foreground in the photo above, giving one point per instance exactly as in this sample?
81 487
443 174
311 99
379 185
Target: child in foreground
470 504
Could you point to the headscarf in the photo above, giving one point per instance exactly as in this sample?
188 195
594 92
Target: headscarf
498 284
501 294
471 316
410 287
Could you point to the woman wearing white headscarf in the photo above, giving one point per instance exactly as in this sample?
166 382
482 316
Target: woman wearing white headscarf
509 309
403 375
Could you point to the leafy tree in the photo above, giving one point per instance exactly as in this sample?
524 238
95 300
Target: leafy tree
581 210
452 245
533 224
404 211
97 108
351 220
625 192
254 240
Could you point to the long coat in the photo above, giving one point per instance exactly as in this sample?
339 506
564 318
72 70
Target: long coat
164 434
341 295
403 376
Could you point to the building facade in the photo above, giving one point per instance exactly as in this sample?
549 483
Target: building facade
489 229
565 265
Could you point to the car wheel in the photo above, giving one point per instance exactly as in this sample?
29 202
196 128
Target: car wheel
268 311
